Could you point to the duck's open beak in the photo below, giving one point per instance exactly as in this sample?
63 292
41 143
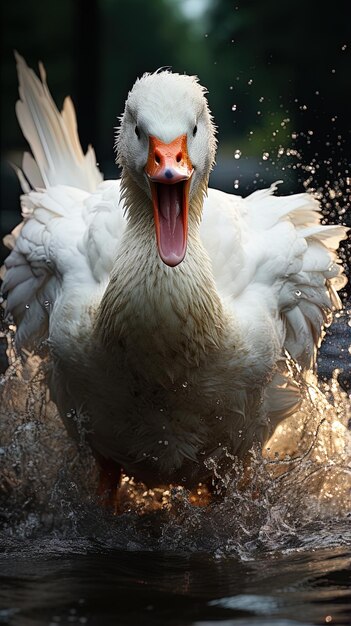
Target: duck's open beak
169 171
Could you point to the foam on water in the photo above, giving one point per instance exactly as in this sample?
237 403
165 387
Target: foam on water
295 496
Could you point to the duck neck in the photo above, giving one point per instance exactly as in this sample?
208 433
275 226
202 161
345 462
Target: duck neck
166 319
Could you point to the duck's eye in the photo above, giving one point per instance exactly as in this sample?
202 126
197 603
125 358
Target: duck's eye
194 130
137 132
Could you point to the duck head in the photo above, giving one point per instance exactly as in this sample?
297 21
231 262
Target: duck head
166 144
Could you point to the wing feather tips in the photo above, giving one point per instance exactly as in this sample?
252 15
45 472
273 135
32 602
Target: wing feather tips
26 282
267 209
313 276
302 209
28 297
33 328
52 135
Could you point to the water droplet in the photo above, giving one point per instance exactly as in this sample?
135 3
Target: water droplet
298 293
46 303
250 81
265 156
185 384
165 442
236 184
234 107
237 154
27 306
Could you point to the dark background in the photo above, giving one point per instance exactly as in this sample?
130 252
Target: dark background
278 75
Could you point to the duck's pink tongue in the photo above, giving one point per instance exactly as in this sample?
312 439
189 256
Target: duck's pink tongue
172 240
169 170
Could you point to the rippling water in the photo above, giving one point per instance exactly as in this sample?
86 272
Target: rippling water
277 552
118 587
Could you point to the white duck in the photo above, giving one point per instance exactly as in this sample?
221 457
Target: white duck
169 309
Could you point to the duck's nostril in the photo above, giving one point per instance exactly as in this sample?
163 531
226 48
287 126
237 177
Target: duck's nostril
179 157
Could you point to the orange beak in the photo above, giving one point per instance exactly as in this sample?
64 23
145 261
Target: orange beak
169 171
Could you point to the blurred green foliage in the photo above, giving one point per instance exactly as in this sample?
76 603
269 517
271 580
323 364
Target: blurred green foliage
260 61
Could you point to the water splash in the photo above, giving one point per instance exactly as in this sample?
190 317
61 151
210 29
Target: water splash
294 495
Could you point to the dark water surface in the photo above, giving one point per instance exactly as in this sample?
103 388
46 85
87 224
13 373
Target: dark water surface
281 559
119 587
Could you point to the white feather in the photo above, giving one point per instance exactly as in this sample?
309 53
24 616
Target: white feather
164 363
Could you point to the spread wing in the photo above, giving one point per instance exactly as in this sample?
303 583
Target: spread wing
277 248
67 242
70 232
